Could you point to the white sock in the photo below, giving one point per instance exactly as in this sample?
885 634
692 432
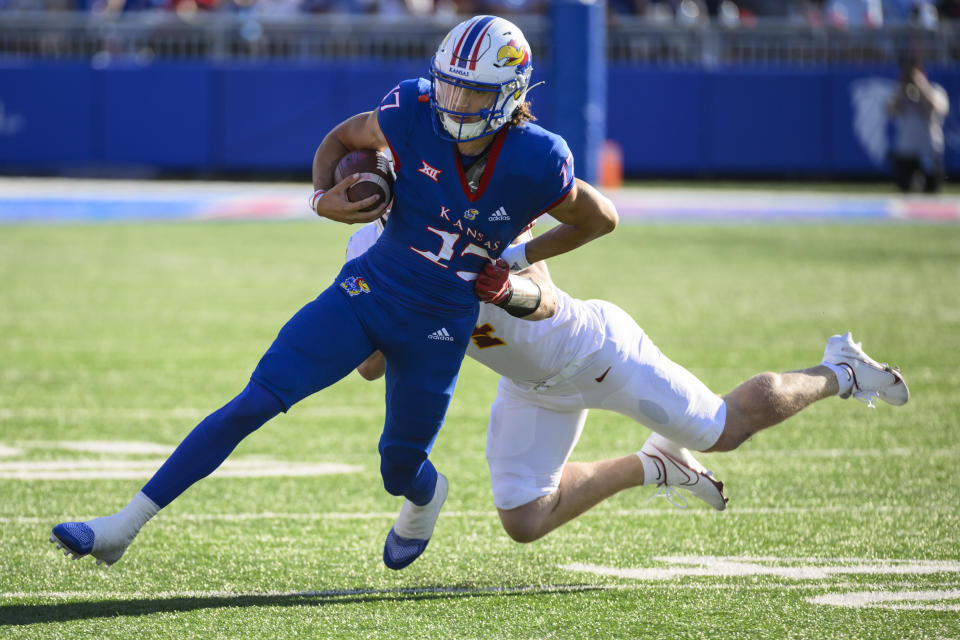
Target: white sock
844 376
417 522
653 471
140 509
123 526
113 534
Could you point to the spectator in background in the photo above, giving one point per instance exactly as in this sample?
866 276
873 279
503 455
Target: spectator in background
617 8
260 8
919 108
121 6
854 13
924 14
918 13
190 6
949 9
37 5
513 7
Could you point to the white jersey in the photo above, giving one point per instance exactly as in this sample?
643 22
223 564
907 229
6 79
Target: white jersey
539 350
590 355
363 239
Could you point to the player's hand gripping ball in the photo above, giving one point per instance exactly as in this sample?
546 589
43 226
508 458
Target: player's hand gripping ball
376 177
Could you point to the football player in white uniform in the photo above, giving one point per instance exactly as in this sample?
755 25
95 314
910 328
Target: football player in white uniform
566 356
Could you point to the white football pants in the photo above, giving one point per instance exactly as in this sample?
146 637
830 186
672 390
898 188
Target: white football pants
533 429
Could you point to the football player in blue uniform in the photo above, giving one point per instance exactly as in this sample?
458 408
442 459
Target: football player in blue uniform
472 172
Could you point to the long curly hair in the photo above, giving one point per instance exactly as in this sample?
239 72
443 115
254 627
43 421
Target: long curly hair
521 114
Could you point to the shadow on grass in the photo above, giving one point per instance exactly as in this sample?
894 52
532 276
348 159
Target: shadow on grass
17 615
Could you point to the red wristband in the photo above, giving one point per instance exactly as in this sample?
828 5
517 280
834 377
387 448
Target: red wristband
316 198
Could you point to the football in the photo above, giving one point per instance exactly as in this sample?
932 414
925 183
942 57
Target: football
376 176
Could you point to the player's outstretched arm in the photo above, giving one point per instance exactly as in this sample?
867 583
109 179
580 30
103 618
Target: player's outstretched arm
529 296
548 298
362 131
540 274
496 285
584 215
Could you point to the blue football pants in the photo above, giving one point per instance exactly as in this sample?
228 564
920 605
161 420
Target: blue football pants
319 345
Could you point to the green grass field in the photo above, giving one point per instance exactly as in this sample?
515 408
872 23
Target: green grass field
131 333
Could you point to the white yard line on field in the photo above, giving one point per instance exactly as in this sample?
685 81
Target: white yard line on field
868 510
926 600
11 448
809 569
176 413
144 469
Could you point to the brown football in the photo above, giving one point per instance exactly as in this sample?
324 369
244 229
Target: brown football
376 178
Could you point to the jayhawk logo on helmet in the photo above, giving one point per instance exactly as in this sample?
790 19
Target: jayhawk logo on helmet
512 54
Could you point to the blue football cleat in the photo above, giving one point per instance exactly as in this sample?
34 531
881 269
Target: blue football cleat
416 523
399 552
100 537
75 538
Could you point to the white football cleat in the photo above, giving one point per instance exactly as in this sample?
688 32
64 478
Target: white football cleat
679 469
869 378
410 534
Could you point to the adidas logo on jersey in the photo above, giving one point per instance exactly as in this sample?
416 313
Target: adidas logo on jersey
500 215
441 334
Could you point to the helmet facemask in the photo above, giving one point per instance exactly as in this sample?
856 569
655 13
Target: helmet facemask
470 110
479 75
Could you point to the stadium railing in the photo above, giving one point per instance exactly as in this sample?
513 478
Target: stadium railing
167 36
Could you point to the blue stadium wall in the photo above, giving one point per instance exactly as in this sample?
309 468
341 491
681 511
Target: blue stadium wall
269 118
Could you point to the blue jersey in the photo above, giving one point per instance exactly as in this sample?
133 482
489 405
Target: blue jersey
441 232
